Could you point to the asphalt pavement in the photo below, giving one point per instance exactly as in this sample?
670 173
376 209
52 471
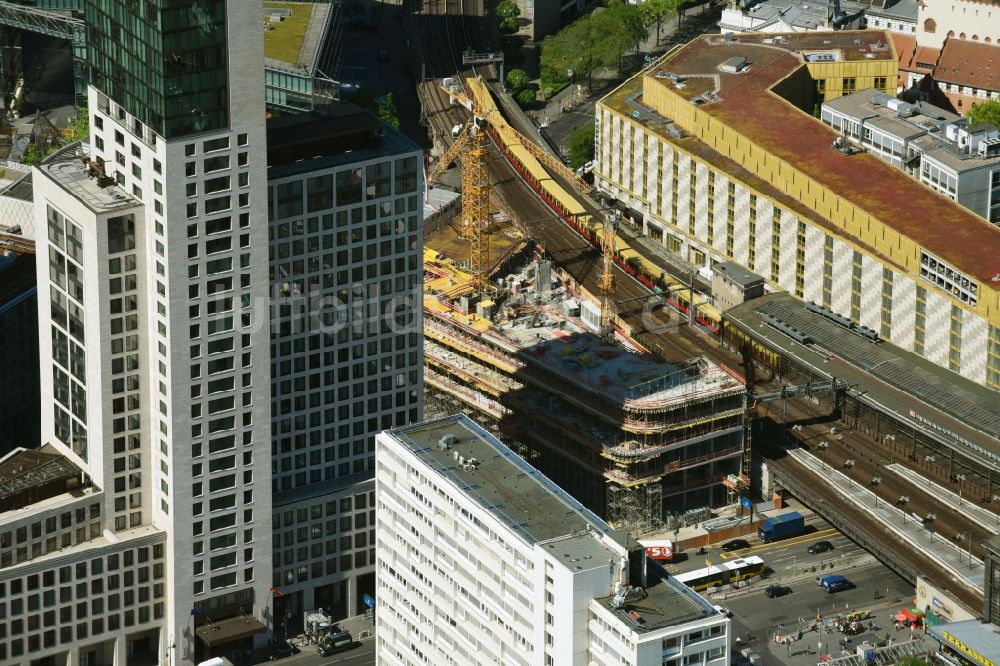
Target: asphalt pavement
359 655
757 619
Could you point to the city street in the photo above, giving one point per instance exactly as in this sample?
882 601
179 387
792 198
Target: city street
359 655
760 618
757 619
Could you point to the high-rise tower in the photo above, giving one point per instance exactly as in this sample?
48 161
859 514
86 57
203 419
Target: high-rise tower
154 311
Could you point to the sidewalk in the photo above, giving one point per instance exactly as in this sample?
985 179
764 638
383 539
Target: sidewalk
359 627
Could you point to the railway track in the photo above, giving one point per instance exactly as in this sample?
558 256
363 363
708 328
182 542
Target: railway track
894 552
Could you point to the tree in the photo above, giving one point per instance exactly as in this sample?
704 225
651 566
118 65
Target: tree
507 10
32 155
525 96
581 145
985 112
81 124
518 78
658 12
912 661
385 109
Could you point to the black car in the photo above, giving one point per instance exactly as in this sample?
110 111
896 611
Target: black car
819 547
775 591
735 544
336 642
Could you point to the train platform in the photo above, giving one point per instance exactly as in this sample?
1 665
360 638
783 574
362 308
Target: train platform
910 528
985 518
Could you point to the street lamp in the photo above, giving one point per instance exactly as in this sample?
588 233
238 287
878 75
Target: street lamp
960 478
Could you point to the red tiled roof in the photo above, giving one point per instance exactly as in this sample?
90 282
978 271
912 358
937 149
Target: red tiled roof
913 58
965 63
746 104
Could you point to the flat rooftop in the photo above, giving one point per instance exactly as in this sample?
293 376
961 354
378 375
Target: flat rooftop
981 638
289 24
664 603
517 494
67 170
908 384
337 136
745 103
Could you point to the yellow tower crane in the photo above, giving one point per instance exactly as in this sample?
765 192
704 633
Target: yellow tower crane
606 282
475 195
476 190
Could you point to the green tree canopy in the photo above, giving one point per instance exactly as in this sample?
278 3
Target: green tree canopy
657 12
507 9
581 144
598 40
985 112
81 124
912 661
518 78
32 155
385 108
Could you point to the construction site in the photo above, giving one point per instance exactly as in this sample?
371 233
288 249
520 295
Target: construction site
635 439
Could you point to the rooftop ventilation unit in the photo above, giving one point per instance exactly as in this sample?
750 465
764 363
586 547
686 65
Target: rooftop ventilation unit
447 441
989 148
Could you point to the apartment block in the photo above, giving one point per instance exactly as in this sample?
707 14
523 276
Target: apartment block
483 560
691 147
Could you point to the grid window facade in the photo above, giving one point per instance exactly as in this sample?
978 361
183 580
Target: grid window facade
68 338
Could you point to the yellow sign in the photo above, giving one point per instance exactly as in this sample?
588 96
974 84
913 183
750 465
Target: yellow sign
966 650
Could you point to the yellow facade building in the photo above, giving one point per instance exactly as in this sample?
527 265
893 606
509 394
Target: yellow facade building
717 149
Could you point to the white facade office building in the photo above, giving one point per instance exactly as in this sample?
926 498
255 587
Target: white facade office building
482 560
153 336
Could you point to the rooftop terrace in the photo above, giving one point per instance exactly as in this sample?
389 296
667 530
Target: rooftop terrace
520 496
283 40
68 170
745 103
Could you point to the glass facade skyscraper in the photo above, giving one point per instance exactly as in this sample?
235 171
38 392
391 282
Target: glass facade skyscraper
166 60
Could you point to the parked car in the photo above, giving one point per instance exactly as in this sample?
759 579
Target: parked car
819 547
775 591
735 544
335 643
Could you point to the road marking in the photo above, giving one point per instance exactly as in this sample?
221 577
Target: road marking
774 545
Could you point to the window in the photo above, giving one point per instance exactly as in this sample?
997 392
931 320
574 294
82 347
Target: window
216 144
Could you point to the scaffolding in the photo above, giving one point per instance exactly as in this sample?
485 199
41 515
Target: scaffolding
637 509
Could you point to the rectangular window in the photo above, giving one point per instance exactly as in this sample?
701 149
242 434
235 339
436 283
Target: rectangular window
216 144
213 185
217 204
